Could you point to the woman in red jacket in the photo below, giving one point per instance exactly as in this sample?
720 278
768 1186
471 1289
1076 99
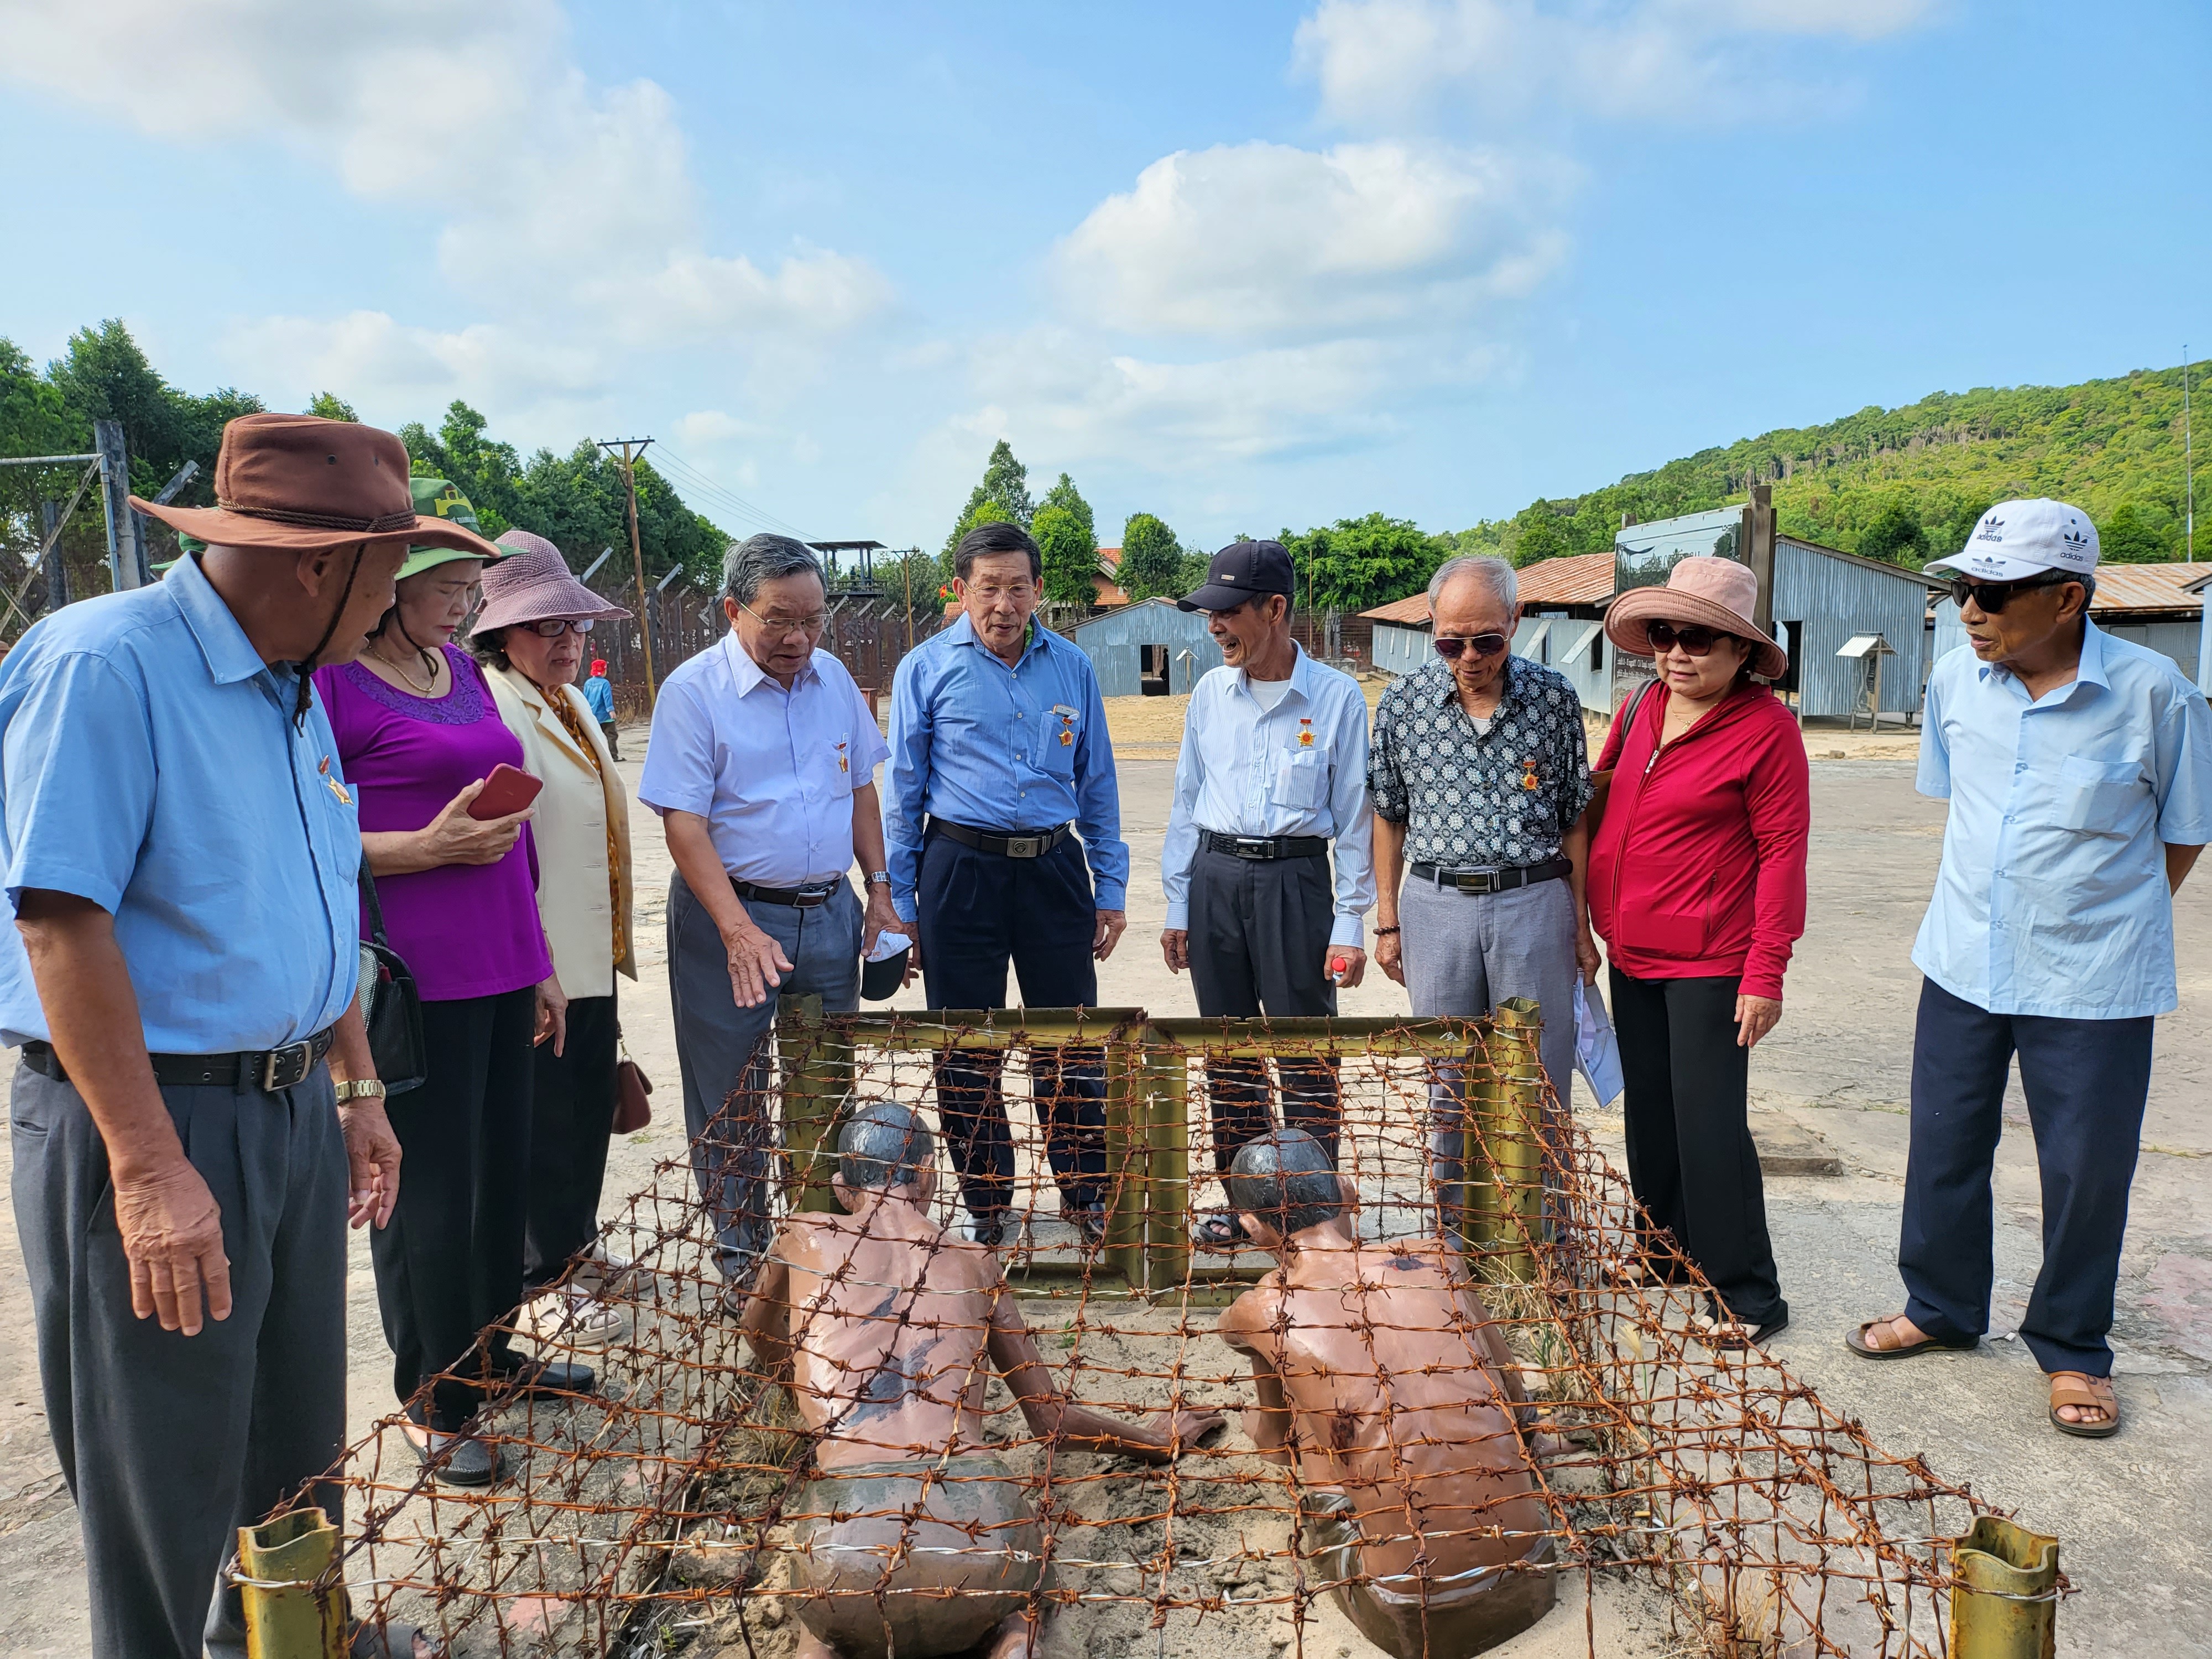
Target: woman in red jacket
1696 883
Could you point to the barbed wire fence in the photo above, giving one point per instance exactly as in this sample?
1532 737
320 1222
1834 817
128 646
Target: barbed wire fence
1702 1500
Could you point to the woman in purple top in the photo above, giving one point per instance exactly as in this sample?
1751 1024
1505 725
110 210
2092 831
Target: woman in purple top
418 733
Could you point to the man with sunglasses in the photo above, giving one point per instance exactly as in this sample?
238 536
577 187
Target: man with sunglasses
1480 770
761 765
2079 770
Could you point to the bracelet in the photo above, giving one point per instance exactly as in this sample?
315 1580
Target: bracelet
879 878
366 1088
1380 932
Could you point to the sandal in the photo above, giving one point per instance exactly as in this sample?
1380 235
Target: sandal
1735 1334
2082 1391
1221 1231
1861 1343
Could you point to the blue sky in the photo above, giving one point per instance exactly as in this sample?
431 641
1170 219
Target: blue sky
1243 266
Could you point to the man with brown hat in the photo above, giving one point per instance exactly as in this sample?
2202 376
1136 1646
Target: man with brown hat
181 854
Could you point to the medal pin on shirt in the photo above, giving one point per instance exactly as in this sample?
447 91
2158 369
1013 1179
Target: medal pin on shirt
332 784
1305 731
1066 724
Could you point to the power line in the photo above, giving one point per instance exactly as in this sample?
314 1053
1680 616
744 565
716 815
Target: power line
699 481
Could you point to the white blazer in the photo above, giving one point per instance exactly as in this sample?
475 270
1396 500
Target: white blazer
574 900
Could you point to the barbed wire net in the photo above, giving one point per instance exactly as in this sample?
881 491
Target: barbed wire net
1680 1497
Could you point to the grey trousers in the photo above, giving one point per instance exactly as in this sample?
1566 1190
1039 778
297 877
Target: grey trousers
1259 941
170 1443
1467 952
719 1048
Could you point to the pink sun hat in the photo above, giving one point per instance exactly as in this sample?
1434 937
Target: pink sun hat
1702 592
534 583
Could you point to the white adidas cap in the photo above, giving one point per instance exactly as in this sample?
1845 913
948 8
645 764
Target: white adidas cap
2014 540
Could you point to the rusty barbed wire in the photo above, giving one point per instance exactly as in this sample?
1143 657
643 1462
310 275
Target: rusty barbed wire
1702 1500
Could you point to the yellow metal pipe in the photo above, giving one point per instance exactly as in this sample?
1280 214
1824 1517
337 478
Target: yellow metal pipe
2004 1603
1167 1226
816 1069
289 1615
1128 1162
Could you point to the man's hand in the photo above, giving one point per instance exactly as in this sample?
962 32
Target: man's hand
757 964
1111 924
880 918
1389 957
1175 946
552 1014
171 1230
1754 1017
1586 955
1355 964
1180 1432
372 1161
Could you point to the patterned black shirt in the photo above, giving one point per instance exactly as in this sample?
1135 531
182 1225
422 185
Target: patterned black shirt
1474 800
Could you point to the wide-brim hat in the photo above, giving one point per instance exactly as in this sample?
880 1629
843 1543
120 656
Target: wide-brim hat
297 483
534 583
442 499
1701 592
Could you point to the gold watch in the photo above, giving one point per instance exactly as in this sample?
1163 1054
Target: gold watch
369 1088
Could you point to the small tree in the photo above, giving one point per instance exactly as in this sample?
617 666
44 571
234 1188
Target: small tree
2131 535
1896 535
1151 558
1069 554
1065 495
329 406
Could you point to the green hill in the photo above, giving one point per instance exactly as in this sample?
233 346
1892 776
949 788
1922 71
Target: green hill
1908 483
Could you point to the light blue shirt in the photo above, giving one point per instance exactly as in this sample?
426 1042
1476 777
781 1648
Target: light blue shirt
1299 769
772 771
599 698
148 763
1004 749
2052 898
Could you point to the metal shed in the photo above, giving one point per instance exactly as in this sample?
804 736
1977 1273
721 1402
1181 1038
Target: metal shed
1562 624
1823 597
1150 642
2158 605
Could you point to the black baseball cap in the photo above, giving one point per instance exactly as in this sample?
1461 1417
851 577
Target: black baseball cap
1241 571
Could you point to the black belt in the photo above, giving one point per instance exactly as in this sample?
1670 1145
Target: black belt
802 898
1498 879
1264 846
1023 844
265 1069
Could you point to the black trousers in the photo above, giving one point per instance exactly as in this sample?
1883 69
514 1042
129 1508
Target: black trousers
978 912
1259 944
450 1263
2086 1081
572 1111
1691 1158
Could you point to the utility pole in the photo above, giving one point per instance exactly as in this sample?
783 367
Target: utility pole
906 566
2188 464
127 564
629 462
50 524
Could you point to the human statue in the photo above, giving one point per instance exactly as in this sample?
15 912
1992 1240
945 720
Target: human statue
891 1328
1387 1390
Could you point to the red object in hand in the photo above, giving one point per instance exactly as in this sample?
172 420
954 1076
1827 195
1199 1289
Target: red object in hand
508 789
1338 967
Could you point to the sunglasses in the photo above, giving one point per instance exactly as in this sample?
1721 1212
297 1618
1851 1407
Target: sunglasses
552 628
1990 598
1694 640
1450 645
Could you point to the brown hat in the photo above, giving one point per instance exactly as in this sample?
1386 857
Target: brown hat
293 480
1704 592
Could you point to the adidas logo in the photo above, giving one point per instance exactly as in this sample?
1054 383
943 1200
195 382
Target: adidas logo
1990 530
2076 541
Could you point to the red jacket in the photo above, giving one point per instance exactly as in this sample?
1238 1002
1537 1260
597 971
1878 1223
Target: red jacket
1698 867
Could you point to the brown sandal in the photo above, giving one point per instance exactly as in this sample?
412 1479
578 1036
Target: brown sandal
2081 1390
1858 1341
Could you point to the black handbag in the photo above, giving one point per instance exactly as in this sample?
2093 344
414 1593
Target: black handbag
391 1006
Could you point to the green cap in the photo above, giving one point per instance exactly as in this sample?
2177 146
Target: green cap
439 498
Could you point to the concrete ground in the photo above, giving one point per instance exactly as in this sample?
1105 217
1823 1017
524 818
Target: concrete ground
1837 1067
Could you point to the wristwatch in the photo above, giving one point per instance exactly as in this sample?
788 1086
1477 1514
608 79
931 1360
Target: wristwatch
366 1088
879 877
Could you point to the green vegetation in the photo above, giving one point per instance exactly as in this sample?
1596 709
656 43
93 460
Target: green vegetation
1151 559
1907 484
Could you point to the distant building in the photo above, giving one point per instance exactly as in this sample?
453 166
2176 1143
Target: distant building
2158 605
1562 625
1149 648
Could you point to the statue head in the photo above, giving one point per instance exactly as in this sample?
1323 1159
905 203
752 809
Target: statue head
1282 1184
885 1147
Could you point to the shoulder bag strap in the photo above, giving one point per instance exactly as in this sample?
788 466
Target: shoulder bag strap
375 910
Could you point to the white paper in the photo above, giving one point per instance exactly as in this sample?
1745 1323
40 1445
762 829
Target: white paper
888 944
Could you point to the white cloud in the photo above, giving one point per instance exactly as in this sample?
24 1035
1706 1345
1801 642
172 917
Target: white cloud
1705 62
1262 239
377 362
556 199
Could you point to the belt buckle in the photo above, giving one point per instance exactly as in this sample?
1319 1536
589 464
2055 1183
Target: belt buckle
1024 846
1252 847
1475 881
284 1067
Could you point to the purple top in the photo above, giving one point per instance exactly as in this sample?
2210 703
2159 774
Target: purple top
465 930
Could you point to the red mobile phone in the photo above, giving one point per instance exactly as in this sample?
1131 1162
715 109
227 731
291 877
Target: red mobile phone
508 789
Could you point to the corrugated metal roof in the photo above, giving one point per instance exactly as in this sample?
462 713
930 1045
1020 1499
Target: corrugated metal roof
1578 579
1412 612
2125 587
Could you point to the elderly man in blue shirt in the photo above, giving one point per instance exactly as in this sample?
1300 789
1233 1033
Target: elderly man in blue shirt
2079 770
999 763
762 766
196 1099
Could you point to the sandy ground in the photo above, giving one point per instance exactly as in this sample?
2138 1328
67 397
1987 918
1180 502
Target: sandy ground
1838 1068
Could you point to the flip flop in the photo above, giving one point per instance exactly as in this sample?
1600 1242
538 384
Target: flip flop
1220 1231
2077 1389
1858 1343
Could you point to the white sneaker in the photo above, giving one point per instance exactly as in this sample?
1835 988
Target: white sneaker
603 1273
574 1318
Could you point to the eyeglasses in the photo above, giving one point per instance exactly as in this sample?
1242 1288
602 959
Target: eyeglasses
1696 642
787 625
552 628
1450 645
1990 598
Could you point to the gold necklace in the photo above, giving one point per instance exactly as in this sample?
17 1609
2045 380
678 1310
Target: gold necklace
420 691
